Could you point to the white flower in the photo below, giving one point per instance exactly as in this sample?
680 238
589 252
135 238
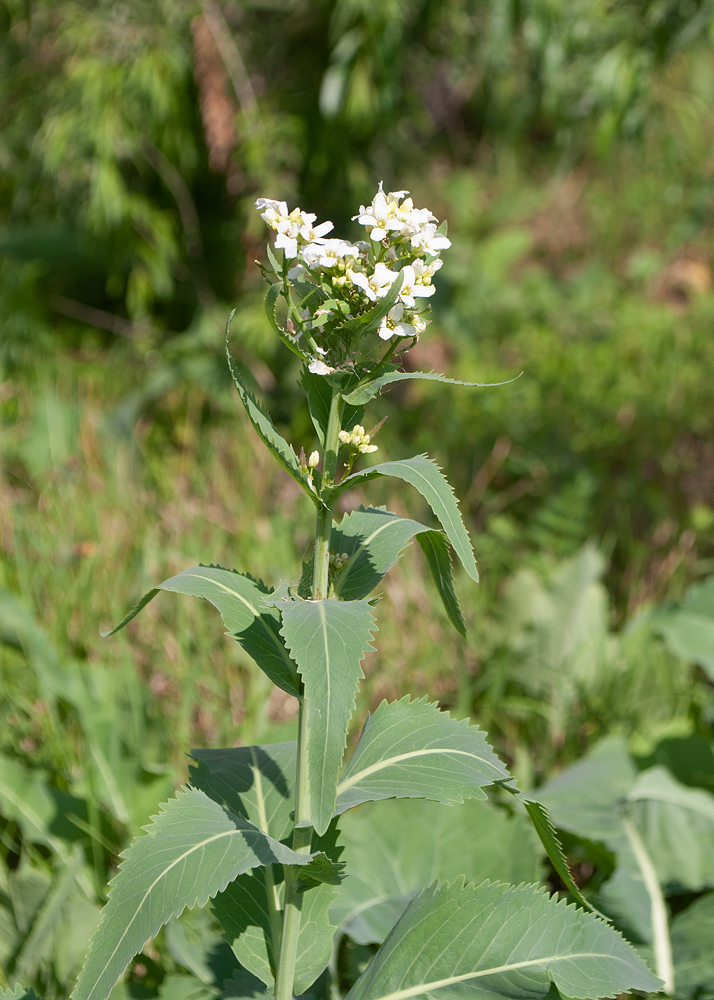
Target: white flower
411 290
318 367
275 211
327 253
288 244
311 233
427 239
382 216
396 325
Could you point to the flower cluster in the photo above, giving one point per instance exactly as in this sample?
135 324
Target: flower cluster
358 440
334 280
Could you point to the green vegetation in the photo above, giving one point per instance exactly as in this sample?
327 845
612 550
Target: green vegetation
569 148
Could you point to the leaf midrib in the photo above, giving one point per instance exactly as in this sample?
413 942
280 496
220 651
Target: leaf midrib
398 758
164 873
438 984
258 615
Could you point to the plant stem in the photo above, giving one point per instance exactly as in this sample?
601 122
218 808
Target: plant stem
302 832
664 965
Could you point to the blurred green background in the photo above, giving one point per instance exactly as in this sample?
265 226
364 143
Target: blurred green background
570 146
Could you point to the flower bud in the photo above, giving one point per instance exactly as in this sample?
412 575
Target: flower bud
313 459
344 437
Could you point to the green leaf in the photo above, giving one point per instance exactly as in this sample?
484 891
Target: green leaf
327 640
393 849
321 871
688 628
426 477
692 936
319 397
374 539
271 302
266 429
191 851
249 911
435 547
369 321
542 825
363 393
497 940
411 749
18 993
240 601
254 782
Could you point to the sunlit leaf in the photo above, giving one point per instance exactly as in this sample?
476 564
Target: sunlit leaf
191 851
425 475
498 940
328 640
239 599
411 749
363 393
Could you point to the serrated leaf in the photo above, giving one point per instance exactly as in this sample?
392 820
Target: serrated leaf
497 940
239 599
394 849
321 871
538 815
435 547
363 393
411 749
425 475
327 639
191 851
266 429
254 782
18 992
249 911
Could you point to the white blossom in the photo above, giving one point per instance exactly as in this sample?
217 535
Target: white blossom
318 367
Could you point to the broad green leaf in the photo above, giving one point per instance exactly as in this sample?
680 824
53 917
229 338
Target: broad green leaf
688 627
319 397
243 986
393 849
266 429
180 987
676 824
191 851
363 393
254 782
239 599
194 940
425 475
374 538
249 910
692 937
327 639
498 940
586 798
411 749
18 993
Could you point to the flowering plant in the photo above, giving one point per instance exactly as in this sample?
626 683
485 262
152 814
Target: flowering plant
341 295
257 830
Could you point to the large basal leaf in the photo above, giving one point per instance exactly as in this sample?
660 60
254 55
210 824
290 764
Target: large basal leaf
498 941
692 937
266 429
394 849
425 475
374 538
327 640
688 627
191 851
411 749
249 911
254 782
239 599
363 393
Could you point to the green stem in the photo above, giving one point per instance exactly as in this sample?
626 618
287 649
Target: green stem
302 832
664 965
